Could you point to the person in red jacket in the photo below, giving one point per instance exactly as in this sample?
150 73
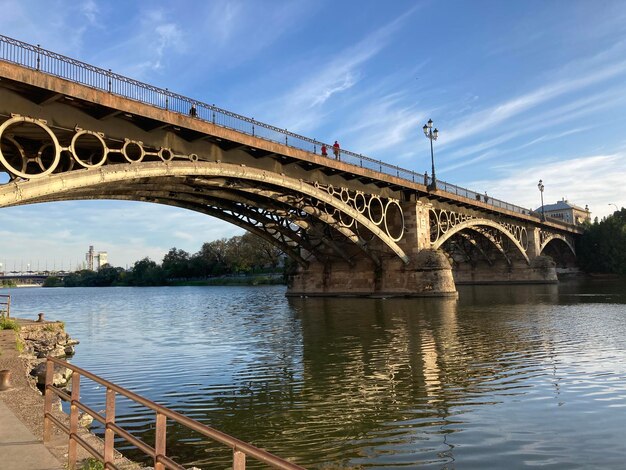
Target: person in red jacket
336 150
324 152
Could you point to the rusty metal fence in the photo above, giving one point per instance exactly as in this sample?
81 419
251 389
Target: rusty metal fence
241 450
37 58
5 306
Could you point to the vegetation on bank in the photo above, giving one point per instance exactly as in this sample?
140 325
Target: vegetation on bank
602 248
8 324
240 260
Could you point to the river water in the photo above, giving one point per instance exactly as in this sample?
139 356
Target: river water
503 377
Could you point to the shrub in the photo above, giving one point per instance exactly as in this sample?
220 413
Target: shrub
8 324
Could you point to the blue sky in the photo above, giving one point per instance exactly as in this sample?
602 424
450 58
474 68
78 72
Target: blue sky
520 90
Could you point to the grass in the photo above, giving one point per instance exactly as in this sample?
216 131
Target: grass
8 324
90 464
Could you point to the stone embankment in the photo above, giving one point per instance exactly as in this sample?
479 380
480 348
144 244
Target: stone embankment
39 342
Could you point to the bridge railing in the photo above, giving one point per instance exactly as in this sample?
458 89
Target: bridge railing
37 58
240 449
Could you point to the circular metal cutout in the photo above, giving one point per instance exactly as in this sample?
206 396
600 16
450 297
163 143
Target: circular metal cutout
21 154
394 221
133 151
87 155
433 218
345 195
345 220
376 210
166 154
360 204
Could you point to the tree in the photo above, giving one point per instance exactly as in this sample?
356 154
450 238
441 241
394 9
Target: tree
176 264
602 248
146 272
260 253
213 257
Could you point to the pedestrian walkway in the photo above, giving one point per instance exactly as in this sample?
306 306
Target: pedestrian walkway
19 449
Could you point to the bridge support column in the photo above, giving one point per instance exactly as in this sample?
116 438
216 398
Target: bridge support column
540 270
428 272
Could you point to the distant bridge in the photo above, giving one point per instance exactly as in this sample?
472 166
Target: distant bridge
355 226
33 277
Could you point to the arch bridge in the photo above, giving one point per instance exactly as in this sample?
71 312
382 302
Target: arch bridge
354 225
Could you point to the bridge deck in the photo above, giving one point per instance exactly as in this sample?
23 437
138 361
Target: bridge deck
45 77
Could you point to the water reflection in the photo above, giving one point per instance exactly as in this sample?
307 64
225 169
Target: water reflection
504 377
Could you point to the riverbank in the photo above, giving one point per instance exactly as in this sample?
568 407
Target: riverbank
247 280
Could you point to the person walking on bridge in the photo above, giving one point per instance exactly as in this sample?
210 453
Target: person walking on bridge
336 150
324 151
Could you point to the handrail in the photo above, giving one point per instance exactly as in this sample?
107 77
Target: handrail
42 60
6 311
241 449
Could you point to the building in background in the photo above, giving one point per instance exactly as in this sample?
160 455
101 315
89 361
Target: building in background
96 261
101 259
567 212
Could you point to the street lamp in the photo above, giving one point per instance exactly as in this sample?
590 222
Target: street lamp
616 208
543 213
431 134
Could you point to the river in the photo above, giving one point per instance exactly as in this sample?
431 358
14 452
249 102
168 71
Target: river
504 377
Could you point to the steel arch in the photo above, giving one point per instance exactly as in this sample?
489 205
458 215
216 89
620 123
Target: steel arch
473 224
30 191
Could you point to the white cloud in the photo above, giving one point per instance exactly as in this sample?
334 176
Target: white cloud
494 116
593 180
302 106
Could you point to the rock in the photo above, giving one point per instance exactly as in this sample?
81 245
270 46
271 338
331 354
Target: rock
60 378
69 350
85 420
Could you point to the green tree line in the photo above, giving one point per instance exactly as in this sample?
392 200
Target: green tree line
602 248
245 254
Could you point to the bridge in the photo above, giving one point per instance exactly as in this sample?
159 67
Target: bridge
353 225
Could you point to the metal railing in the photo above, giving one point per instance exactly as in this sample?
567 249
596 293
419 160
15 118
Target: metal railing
36 58
5 306
240 449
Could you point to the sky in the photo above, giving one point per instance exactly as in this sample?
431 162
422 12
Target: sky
519 90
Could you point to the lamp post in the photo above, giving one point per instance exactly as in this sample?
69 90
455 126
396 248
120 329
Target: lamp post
431 134
543 212
616 208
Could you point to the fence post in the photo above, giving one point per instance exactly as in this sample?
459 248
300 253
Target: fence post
167 101
160 440
47 406
109 434
239 460
75 397
109 80
38 56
